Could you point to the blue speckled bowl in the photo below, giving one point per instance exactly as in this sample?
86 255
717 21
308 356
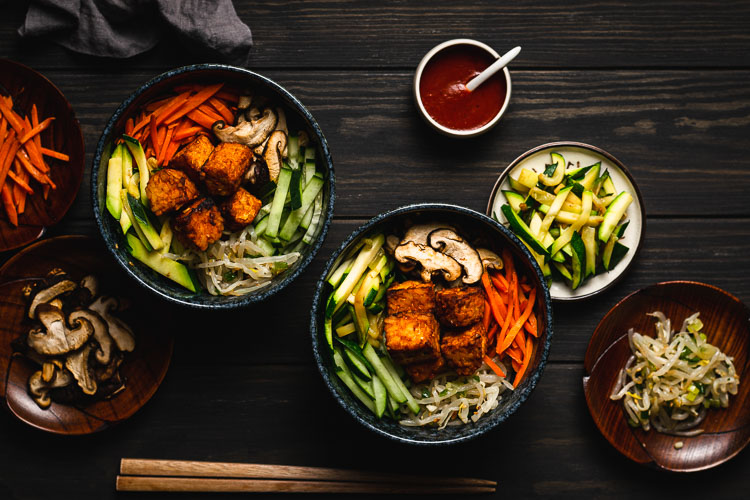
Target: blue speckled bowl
297 115
472 225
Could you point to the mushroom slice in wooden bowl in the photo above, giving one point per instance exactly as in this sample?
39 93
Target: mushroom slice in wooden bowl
684 383
77 353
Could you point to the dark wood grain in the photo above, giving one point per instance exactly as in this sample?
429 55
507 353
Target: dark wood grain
142 370
365 34
696 142
28 88
726 324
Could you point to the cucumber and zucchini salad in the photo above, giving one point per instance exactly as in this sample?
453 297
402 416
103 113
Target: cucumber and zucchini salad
571 218
353 327
288 221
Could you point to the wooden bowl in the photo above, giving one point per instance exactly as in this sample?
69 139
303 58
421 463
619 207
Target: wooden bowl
143 369
725 320
64 135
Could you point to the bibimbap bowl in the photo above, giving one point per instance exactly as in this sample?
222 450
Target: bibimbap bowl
297 117
475 227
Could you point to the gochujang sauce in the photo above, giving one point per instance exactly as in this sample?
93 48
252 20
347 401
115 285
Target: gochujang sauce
443 88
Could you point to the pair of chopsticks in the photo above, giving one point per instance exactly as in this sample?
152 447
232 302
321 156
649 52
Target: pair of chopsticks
183 475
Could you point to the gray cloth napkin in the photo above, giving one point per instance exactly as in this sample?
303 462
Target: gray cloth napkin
124 28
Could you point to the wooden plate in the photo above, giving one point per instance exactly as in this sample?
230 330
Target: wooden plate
725 320
535 159
143 369
64 135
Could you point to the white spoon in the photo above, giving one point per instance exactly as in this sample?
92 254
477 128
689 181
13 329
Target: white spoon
492 69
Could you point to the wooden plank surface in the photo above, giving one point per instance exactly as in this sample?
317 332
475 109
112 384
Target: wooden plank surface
660 85
548 449
393 33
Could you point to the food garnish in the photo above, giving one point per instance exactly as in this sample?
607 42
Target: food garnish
672 380
21 148
212 205
411 325
77 341
571 218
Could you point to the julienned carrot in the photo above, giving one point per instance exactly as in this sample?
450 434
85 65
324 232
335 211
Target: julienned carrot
9 156
520 341
211 112
492 331
520 321
54 154
20 182
170 108
530 325
153 134
225 112
515 354
13 119
10 208
497 306
498 371
129 126
187 132
164 146
36 129
201 119
36 174
487 315
171 150
503 332
499 281
22 202
525 364
194 101
525 287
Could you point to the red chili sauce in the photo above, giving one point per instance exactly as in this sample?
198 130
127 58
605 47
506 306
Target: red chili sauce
443 88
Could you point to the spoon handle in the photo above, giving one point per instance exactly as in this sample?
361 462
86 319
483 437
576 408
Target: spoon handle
492 69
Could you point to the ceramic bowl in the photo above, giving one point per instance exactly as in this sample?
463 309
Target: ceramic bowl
418 97
470 224
297 115
27 87
726 324
535 159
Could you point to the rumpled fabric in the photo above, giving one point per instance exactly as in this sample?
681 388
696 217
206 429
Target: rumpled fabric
125 28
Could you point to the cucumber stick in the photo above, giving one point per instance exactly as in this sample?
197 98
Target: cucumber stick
114 184
567 234
614 213
346 377
129 212
279 198
141 220
140 159
382 372
295 217
394 371
364 257
176 271
314 223
127 165
557 175
381 396
519 227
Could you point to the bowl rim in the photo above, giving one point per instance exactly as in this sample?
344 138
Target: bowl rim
617 163
241 300
76 135
317 342
418 98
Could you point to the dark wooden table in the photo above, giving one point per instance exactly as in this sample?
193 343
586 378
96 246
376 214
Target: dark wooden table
663 86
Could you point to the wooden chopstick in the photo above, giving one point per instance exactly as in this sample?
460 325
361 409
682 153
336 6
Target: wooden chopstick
214 485
185 475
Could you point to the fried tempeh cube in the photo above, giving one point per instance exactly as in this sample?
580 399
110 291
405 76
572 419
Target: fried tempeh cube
225 168
419 372
464 349
411 296
169 189
198 224
412 337
459 307
191 158
240 209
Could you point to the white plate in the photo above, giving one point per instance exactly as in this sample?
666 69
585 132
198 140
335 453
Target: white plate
576 152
